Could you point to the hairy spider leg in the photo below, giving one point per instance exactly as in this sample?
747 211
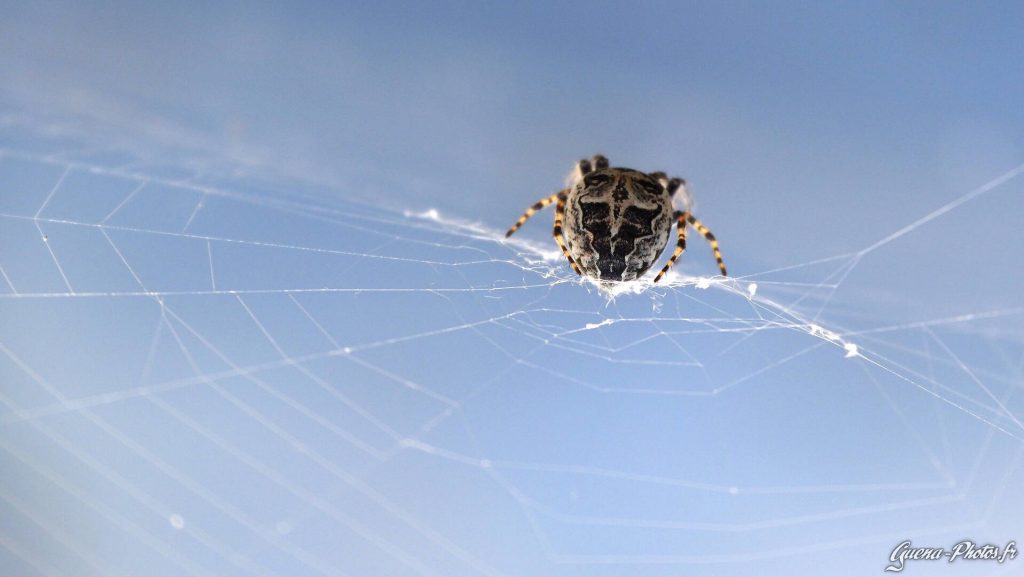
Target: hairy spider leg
707 235
557 232
680 244
682 218
540 204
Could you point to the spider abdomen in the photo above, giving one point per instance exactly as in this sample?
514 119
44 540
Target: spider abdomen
617 223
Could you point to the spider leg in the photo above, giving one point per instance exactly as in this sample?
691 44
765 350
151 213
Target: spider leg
540 204
707 235
557 232
680 244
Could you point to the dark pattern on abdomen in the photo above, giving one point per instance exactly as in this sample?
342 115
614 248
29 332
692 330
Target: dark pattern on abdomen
613 249
598 232
634 230
614 231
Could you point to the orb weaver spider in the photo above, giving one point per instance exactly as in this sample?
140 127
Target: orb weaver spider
613 223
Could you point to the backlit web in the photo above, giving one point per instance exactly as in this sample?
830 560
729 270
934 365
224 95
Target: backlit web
214 378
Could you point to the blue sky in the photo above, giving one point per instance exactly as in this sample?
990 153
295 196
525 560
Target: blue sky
237 320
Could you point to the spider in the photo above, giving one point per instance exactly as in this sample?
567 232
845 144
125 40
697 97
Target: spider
617 221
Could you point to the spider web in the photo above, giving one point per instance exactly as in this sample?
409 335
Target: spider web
205 377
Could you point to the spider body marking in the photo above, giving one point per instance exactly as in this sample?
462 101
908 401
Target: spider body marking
617 222
612 224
